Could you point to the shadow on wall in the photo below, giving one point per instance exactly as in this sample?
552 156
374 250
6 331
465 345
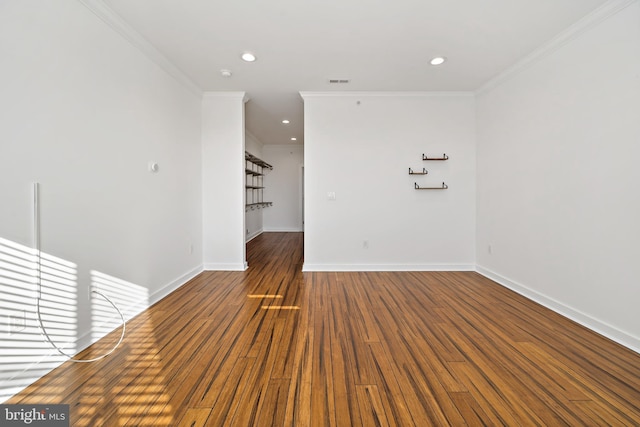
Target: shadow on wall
25 355
132 299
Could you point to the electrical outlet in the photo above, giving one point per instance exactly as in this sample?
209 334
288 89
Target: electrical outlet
17 322
365 244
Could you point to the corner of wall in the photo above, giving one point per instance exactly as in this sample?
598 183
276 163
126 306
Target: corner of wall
605 11
120 26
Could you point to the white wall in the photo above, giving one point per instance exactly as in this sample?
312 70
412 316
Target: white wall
558 198
284 187
360 146
253 217
82 112
223 192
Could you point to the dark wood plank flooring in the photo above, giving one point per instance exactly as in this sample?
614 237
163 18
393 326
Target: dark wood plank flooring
275 347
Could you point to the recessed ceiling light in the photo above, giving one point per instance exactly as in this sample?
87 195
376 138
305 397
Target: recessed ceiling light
294 139
248 57
437 60
286 122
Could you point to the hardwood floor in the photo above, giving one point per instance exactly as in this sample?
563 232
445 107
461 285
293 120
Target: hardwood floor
275 347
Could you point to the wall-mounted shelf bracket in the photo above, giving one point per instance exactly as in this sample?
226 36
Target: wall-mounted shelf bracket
444 187
444 157
253 159
252 172
259 205
424 172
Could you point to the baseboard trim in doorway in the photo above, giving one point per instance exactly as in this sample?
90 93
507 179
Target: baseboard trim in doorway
211 266
253 235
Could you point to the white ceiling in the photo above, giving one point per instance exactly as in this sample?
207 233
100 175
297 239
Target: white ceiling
380 45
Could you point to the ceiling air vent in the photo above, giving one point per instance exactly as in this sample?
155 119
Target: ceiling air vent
338 81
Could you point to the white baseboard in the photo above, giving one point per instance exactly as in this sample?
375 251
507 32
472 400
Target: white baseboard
212 266
86 340
253 235
174 285
611 332
387 267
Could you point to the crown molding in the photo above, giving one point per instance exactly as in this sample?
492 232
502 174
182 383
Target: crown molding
226 94
119 25
599 15
408 94
249 133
